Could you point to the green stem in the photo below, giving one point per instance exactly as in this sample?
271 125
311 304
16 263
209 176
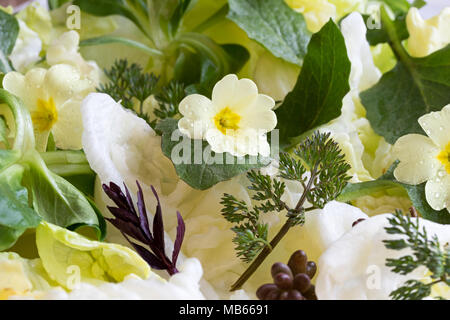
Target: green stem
212 20
131 43
276 240
395 41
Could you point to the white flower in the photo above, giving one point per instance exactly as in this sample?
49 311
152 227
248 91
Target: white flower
53 98
427 36
64 50
27 48
428 159
236 120
354 266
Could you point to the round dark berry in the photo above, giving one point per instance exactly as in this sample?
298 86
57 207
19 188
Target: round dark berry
311 269
298 261
283 281
302 282
262 291
280 268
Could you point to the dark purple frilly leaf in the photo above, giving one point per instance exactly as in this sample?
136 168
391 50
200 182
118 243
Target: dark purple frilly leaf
181 229
158 224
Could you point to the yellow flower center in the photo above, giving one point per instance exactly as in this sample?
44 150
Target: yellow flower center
444 157
226 119
45 115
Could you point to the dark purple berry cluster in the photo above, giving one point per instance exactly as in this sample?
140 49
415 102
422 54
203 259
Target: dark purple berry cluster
291 281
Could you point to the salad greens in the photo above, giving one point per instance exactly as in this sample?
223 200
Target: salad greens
53 198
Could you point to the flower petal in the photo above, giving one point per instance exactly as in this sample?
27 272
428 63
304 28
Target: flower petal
198 113
437 126
234 93
437 191
260 116
417 155
68 130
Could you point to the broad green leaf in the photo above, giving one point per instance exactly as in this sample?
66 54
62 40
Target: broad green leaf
416 193
15 214
9 30
415 87
56 200
322 84
274 25
205 174
178 14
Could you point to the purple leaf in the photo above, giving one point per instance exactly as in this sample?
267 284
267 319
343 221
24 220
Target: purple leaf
149 257
143 213
158 224
181 229
130 200
123 214
129 229
115 194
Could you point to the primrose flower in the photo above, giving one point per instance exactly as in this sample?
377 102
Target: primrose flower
27 48
236 120
53 98
427 159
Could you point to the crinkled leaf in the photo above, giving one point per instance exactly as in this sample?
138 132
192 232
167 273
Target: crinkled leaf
322 84
274 25
204 175
9 30
4 132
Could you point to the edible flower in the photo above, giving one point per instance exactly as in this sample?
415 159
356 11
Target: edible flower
236 120
427 158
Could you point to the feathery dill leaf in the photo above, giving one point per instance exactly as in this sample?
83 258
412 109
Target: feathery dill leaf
318 164
425 252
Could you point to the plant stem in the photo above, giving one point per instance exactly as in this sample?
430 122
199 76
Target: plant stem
280 235
216 17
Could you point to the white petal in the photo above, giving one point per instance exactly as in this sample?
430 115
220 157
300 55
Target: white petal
233 93
417 155
198 114
437 126
437 191
259 116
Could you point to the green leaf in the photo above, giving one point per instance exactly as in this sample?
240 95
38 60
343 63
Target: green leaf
415 87
56 200
15 214
177 16
416 194
274 25
202 62
379 35
9 30
322 84
203 175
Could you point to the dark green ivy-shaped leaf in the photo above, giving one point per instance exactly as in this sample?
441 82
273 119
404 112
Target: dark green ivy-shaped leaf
273 24
204 175
9 30
15 214
322 84
415 87
416 194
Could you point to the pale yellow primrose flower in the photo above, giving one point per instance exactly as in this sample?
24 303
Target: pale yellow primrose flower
54 98
427 159
236 120
427 36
